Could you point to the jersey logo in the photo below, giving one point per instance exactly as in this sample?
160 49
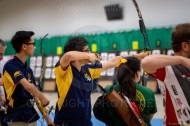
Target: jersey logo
140 100
17 74
29 78
87 77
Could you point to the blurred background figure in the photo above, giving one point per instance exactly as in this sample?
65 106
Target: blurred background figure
2 94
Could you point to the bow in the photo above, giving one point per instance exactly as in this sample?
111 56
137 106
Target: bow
142 27
145 36
40 82
43 110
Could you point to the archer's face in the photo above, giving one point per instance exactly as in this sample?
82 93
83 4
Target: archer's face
86 49
30 47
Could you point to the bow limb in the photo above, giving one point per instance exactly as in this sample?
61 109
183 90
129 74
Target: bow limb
145 36
40 82
142 27
42 109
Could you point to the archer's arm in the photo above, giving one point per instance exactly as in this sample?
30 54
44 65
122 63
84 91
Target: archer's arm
34 91
113 61
151 63
70 56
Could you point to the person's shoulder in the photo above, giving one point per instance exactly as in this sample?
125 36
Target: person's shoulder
10 63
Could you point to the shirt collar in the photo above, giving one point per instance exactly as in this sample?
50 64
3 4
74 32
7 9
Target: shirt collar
20 63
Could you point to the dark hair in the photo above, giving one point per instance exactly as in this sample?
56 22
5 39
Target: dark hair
20 38
2 44
75 44
180 34
126 75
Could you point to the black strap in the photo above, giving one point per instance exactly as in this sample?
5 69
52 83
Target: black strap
101 89
28 103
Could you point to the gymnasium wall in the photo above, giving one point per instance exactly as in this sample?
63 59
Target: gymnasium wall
66 17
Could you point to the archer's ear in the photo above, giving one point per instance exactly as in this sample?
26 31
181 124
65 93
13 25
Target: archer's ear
137 76
24 46
185 46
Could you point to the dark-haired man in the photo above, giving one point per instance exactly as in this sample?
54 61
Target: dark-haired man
173 75
74 77
20 86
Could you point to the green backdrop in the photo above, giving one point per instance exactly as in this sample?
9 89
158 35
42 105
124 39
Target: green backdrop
114 41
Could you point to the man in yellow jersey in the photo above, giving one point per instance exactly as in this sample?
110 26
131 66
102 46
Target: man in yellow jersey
20 86
74 77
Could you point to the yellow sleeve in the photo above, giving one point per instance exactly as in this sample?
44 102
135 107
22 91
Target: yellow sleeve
95 72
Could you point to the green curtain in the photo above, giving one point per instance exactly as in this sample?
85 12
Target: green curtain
163 35
114 41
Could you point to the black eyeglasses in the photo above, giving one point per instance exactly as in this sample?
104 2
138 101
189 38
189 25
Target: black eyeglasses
87 50
33 43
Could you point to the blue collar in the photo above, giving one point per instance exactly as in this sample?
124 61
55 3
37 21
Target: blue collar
19 62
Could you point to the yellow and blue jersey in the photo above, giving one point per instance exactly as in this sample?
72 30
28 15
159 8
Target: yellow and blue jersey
15 70
73 107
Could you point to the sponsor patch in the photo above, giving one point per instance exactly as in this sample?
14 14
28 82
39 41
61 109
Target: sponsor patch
174 89
17 74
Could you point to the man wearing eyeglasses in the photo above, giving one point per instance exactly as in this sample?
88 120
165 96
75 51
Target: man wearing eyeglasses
74 80
20 85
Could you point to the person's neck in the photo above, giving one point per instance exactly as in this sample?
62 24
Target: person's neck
77 65
22 57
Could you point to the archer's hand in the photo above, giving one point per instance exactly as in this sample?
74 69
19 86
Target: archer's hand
141 55
94 57
44 101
